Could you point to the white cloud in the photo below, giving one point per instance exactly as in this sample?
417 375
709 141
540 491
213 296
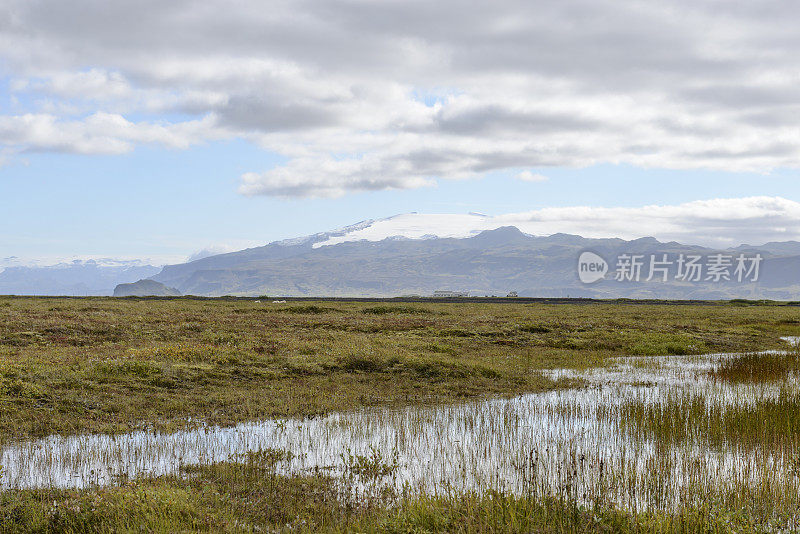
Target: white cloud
329 177
100 133
717 222
335 86
92 84
528 176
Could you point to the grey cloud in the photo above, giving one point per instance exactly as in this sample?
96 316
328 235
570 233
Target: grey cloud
495 119
786 116
733 96
766 150
564 156
269 115
523 83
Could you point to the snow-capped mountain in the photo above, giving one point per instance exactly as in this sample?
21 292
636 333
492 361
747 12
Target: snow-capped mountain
715 223
420 254
413 226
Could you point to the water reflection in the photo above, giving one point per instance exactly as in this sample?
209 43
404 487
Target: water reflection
564 441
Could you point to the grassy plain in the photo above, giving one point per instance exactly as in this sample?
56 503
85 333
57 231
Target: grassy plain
112 365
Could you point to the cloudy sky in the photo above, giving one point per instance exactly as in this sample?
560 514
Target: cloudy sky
154 129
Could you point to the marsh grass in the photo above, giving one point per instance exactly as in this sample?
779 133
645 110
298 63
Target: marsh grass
372 465
748 402
757 367
658 451
718 455
700 417
252 496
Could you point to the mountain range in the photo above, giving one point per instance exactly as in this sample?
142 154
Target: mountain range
399 256
358 261
78 278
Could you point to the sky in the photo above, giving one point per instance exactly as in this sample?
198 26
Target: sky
156 131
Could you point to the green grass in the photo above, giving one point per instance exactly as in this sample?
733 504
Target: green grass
101 364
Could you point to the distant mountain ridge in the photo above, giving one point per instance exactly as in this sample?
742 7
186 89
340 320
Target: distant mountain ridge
80 278
490 262
414 254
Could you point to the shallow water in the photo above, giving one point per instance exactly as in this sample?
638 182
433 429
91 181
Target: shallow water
556 441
